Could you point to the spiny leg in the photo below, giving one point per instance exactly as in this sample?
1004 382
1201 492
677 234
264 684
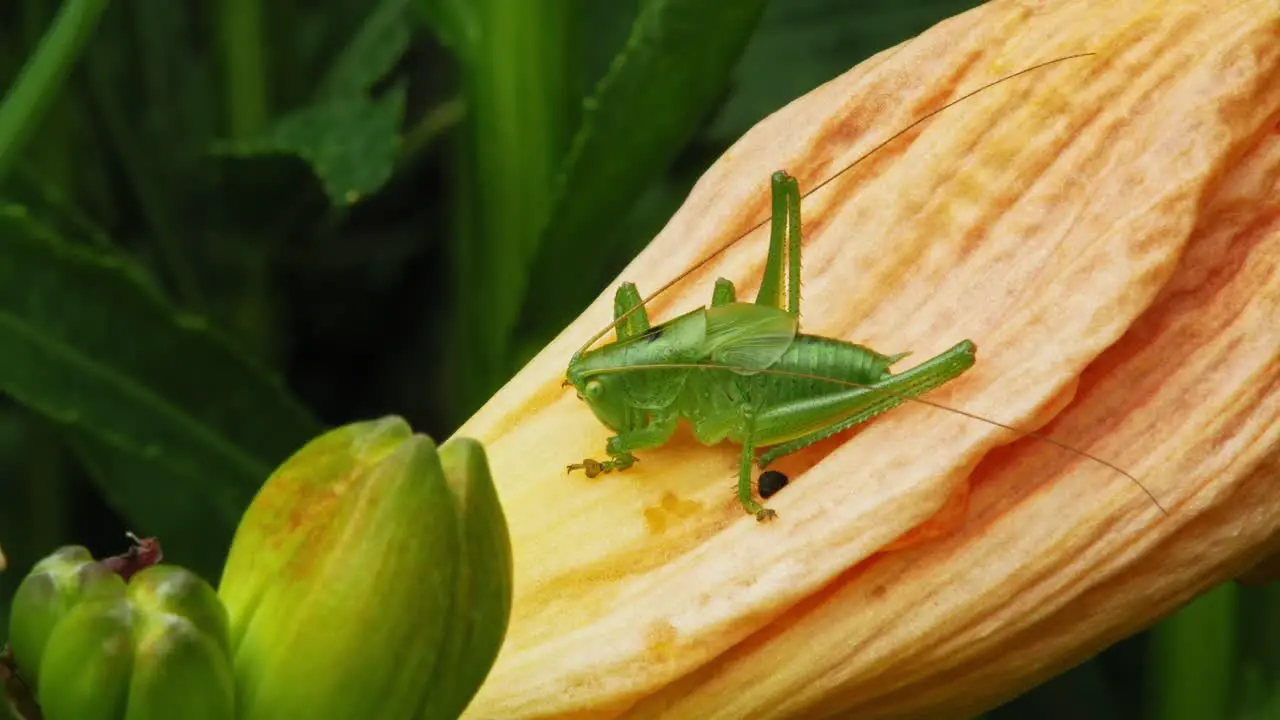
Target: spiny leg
866 403
749 503
784 247
794 239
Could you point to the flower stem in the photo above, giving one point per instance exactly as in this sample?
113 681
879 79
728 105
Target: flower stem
1194 659
244 65
43 75
519 85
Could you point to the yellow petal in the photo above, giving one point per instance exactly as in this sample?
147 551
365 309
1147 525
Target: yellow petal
1105 230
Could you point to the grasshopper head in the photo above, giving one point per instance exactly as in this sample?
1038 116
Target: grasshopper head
601 391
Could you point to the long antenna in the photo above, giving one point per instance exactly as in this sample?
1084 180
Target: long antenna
879 146
1021 432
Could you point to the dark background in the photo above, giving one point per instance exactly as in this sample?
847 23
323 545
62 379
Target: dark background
235 222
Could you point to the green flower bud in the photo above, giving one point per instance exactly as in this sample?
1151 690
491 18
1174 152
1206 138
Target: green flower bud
159 650
55 586
481 605
368 581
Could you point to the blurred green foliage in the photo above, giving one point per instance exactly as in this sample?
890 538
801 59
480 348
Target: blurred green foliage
227 224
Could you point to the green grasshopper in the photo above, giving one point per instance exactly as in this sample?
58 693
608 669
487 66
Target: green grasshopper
744 372
773 394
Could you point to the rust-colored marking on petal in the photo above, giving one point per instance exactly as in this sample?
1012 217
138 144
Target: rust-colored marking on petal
670 509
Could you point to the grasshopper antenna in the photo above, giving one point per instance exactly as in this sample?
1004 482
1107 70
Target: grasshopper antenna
1021 432
878 147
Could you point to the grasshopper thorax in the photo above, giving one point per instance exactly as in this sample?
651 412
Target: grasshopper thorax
623 381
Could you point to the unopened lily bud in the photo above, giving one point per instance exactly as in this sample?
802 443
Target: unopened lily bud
159 650
366 580
55 586
482 588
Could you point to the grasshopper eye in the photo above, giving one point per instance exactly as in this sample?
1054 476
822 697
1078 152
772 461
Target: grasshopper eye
594 389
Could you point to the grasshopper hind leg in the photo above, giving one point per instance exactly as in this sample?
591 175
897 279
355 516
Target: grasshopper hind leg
724 293
629 313
763 514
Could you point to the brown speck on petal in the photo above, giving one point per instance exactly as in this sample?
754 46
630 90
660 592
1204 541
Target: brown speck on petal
1106 230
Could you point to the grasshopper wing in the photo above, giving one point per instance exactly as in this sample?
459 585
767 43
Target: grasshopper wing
681 340
748 336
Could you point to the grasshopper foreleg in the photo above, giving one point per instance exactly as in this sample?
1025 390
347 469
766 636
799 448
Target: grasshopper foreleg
620 446
594 467
617 461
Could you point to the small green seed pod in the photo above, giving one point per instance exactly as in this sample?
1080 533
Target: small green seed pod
53 588
157 651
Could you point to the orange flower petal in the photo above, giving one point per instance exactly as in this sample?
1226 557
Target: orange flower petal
1054 563
1104 229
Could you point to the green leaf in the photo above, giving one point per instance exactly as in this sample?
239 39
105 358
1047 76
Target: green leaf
46 199
456 23
371 54
43 76
149 96
804 43
350 143
178 427
520 79
672 71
